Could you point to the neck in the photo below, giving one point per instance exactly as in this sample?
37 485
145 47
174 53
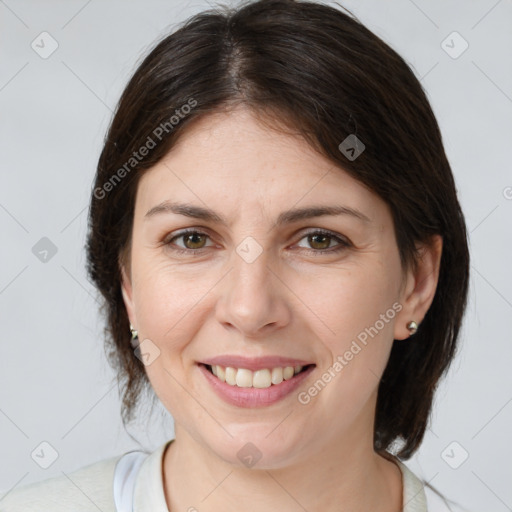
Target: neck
344 475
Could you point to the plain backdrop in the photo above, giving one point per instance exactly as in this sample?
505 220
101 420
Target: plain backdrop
55 384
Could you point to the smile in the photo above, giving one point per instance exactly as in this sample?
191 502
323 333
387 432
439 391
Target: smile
244 378
254 388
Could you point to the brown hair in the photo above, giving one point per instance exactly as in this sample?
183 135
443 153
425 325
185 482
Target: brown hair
320 72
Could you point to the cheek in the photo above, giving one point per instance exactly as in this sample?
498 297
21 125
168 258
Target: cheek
169 310
359 310
163 303
171 302
356 299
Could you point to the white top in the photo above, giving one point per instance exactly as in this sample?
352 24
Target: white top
137 476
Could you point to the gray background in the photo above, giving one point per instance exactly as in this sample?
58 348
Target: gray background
55 385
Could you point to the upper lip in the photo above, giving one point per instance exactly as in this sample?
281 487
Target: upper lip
254 363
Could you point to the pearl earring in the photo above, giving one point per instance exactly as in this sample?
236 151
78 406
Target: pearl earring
412 326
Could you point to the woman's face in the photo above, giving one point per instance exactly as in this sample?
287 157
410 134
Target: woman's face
263 283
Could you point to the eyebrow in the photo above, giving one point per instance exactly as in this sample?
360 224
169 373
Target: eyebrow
286 217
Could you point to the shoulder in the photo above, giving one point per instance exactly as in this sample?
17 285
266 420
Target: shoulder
86 489
436 503
419 495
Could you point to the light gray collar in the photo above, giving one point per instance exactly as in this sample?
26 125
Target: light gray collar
414 499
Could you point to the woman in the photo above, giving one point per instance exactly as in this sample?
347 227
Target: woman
275 230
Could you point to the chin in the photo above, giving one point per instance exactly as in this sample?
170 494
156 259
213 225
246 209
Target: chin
254 448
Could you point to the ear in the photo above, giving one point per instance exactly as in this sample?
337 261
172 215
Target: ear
127 291
420 287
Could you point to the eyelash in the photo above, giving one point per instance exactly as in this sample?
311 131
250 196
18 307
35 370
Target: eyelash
342 244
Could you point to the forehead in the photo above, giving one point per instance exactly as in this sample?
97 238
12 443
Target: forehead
227 158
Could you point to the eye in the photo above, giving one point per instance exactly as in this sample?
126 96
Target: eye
320 241
193 241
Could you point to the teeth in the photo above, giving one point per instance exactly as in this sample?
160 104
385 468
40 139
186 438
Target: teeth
221 373
264 378
261 378
288 373
243 378
277 375
231 376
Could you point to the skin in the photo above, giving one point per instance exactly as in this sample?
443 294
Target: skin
288 301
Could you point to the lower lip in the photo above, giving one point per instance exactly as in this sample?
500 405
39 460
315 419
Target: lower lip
254 397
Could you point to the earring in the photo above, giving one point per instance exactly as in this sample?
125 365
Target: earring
134 332
412 326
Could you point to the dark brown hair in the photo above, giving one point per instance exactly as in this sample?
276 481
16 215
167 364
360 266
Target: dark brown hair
321 73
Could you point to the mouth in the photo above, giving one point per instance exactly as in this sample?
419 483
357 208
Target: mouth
260 379
260 388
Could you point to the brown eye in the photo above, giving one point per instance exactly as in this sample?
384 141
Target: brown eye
191 241
194 240
319 241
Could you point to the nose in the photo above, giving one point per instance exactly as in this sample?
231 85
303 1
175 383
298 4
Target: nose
253 298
